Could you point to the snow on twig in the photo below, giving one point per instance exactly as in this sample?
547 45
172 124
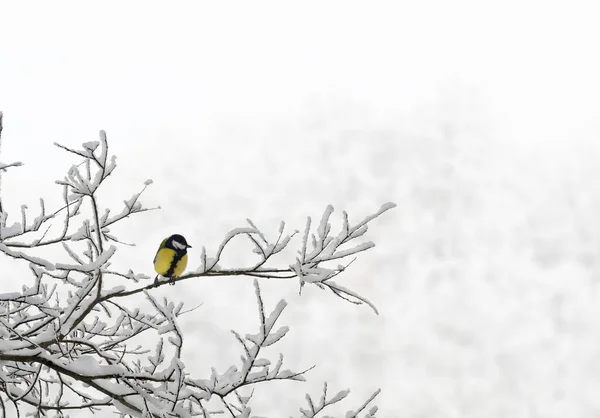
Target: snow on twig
67 342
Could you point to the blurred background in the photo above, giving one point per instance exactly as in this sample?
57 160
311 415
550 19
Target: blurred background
479 119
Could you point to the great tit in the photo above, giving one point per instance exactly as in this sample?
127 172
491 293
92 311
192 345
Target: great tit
171 258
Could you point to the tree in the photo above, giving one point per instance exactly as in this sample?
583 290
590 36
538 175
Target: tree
67 340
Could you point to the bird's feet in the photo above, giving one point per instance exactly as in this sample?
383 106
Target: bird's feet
172 281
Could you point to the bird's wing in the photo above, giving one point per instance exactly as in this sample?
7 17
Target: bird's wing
162 245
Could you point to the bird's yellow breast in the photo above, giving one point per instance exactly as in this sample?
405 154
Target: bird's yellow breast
163 262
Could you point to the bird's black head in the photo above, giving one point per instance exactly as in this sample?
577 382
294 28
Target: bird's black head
178 243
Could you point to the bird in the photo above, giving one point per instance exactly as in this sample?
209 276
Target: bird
171 258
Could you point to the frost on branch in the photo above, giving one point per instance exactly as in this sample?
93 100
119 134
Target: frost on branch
68 338
318 249
315 408
253 368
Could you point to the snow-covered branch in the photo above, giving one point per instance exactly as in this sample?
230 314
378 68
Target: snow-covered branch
315 408
312 264
67 339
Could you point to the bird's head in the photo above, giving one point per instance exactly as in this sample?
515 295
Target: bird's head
177 242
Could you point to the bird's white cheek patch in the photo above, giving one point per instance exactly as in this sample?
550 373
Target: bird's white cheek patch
179 245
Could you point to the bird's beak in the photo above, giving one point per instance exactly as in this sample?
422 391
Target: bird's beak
188 246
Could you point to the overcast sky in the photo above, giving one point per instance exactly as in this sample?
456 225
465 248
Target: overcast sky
273 110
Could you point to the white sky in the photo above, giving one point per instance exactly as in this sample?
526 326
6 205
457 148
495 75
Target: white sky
222 102
180 61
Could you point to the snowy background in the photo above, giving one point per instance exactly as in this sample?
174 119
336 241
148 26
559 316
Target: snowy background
479 121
